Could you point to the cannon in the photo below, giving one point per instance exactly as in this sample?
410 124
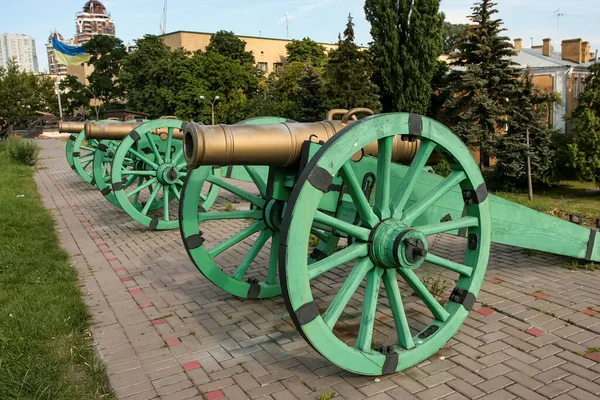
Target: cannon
364 182
145 159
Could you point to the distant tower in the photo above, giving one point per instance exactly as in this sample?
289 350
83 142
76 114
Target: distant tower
93 20
54 68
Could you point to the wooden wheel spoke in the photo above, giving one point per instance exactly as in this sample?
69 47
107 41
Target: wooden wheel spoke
410 179
252 253
215 215
257 201
382 185
175 192
356 250
139 188
151 199
137 194
451 265
348 228
181 166
348 288
257 179
448 226
143 158
367 320
177 156
415 283
238 237
86 164
153 147
88 155
86 148
393 292
454 179
138 172
361 202
319 234
273 259
169 140
166 203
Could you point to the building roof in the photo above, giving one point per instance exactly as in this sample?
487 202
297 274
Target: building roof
535 59
94 7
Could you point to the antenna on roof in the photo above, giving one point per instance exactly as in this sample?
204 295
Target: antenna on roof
558 16
287 24
163 25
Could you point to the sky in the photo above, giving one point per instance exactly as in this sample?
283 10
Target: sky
321 20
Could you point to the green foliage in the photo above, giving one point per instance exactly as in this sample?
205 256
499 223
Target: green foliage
24 93
306 50
442 168
348 75
528 110
230 46
311 96
107 54
407 41
480 92
452 36
45 344
585 123
75 97
24 151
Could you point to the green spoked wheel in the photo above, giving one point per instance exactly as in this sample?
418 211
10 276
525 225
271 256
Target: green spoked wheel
102 167
69 148
83 157
388 248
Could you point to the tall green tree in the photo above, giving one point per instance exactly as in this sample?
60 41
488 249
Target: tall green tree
584 148
453 34
528 112
230 46
484 82
107 54
348 75
311 96
407 39
306 50
23 93
75 98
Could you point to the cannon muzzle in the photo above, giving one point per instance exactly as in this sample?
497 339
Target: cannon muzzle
70 127
118 131
276 145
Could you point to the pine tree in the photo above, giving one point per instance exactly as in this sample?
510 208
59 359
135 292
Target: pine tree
348 75
528 111
481 86
585 123
407 39
311 96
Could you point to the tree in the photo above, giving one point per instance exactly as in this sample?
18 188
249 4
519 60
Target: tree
480 90
528 112
348 75
151 77
407 39
75 98
585 123
230 46
107 53
22 94
311 96
306 50
453 34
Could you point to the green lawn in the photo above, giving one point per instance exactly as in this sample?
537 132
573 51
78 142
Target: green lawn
562 199
45 348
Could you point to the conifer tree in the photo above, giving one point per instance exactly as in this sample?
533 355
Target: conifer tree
348 75
311 96
407 39
481 86
528 111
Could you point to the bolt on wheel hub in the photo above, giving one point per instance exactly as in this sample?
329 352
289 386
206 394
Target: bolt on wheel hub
395 245
167 174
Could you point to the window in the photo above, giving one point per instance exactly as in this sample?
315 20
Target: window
277 66
264 67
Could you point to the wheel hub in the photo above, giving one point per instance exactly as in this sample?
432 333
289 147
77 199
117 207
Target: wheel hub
167 174
396 245
273 214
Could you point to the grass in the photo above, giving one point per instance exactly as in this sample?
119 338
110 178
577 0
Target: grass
45 346
563 199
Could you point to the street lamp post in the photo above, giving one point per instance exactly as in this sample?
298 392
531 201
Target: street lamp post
212 106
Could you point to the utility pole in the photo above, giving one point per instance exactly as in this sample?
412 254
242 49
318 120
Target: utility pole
287 24
59 101
163 27
558 16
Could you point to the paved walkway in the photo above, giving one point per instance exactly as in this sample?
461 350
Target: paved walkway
165 332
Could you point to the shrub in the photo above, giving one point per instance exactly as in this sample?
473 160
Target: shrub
442 168
23 151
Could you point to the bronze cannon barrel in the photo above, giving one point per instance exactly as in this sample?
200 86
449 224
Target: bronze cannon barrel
275 145
118 131
70 127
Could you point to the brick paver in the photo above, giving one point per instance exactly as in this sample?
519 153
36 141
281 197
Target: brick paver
166 332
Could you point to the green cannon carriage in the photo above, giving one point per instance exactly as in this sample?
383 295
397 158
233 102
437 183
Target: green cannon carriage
364 183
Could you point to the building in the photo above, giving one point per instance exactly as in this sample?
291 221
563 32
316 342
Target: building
54 68
270 54
20 48
93 20
563 73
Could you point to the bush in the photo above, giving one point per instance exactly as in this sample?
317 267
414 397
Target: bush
23 151
442 168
